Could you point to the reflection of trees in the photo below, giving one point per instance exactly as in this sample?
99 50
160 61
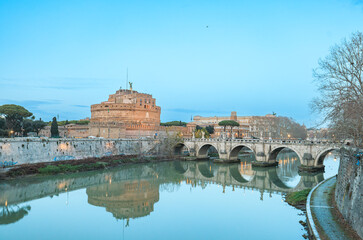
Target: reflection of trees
12 214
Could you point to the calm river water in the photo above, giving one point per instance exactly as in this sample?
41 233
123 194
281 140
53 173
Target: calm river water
170 200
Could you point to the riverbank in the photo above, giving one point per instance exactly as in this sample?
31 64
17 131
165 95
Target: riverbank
325 221
298 199
72 166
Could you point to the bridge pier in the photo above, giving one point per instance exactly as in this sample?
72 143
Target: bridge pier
264 159
308 164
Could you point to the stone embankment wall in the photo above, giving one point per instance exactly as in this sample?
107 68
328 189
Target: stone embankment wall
349 190
21 151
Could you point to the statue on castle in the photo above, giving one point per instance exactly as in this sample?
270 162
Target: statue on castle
130 83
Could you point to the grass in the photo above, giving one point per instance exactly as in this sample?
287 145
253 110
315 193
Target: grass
87 164
67 168
297 198
71 168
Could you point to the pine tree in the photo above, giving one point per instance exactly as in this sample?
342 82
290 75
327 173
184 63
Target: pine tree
54 132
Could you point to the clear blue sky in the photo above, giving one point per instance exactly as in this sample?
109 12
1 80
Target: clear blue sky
255 57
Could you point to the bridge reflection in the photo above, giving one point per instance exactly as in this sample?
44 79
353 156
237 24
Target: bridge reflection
132 191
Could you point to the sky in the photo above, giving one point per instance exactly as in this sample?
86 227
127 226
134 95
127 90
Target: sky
197 57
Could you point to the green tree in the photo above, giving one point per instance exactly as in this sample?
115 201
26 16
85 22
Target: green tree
14 116
174 123
38 125
198 128
210 129
27 126
3 131
54 132
228 123
199 133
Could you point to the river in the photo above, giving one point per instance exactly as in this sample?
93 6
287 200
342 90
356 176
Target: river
168 200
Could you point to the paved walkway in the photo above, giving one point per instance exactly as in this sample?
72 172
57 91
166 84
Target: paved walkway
322 211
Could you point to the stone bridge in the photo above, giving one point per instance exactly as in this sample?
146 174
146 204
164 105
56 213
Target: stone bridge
310 153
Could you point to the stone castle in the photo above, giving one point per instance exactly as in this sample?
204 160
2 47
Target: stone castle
126 114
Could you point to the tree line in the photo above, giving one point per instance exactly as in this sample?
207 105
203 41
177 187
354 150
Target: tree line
15 120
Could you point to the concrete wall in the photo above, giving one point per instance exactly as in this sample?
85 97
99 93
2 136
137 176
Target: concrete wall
21 151
349 190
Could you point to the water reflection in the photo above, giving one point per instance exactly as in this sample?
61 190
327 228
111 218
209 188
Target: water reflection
125 200
287 170
12 214
132 192
331 163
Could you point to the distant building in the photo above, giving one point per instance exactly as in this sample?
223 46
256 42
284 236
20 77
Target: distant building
268 126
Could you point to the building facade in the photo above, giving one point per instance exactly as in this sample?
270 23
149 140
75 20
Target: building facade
268 126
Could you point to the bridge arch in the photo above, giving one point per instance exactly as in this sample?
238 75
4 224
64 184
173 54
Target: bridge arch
233 155
319 160
179 149
203 150
275 151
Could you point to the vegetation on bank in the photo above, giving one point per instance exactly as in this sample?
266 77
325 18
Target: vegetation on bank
298 198
72 166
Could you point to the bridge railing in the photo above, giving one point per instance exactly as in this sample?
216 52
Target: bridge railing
279 141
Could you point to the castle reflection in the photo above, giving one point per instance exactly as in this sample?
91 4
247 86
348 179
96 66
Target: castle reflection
131 199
